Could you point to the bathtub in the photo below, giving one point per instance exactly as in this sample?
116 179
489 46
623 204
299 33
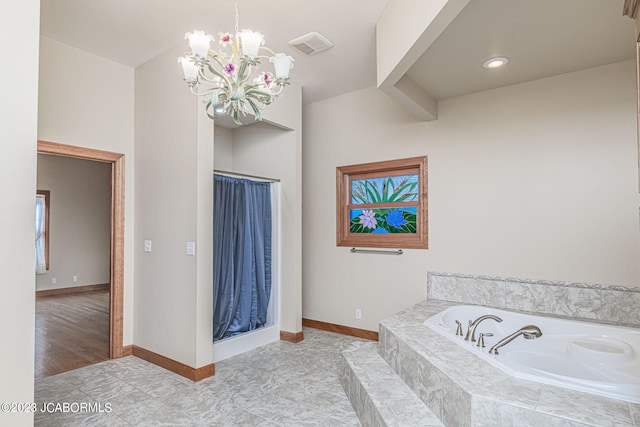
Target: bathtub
588 357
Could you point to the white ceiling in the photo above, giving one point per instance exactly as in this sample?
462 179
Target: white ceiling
133 31
541 37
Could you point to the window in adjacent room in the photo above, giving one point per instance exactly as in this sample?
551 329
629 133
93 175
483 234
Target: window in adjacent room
383 204
42 231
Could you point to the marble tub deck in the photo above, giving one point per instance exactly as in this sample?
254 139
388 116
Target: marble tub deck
464 390
280 384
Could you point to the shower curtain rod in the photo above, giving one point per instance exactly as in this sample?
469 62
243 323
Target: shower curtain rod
246 175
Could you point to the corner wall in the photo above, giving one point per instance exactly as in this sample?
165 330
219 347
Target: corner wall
536 180
19 29
92 110
174 193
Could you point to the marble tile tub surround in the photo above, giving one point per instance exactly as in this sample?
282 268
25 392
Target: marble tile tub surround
377 393
463 390
604 303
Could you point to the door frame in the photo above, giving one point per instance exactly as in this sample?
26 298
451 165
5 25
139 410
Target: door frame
116 294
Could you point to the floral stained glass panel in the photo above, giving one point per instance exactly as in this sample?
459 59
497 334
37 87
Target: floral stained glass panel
383 220
383 204
385 190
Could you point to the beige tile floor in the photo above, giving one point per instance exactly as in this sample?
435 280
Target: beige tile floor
280 384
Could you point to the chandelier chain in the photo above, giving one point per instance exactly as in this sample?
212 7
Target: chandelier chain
237 18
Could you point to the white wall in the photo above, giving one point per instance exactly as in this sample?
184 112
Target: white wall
174 188
79 221
537 180
19 28
87 101
204 239
223 146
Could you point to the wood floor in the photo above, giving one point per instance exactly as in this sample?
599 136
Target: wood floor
72 331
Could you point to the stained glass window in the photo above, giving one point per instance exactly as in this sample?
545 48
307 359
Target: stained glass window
383 204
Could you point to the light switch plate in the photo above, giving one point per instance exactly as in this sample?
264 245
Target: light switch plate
191 248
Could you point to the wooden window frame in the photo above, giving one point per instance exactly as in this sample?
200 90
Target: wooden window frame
344 175
45 232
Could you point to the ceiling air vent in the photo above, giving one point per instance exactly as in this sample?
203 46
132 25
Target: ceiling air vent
311 43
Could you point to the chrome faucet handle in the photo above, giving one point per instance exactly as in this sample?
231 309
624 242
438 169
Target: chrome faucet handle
481 339
459 329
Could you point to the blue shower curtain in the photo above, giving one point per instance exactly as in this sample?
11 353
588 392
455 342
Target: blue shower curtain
242 255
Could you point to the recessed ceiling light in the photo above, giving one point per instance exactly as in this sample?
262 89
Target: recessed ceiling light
497 62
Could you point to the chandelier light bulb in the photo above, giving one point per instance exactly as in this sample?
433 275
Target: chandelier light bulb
189 68
199 43
282 64
251 42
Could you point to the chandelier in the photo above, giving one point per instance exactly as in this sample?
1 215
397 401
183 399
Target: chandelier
229 77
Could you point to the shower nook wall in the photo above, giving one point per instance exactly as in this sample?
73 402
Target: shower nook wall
271 148
223 161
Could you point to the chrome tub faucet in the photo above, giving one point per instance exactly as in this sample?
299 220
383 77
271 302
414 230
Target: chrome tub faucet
529 332
471 332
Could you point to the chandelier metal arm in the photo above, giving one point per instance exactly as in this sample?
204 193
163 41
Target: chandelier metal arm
219 60
242 76
206 92
268 50
263 97
215 53
256 110
213 71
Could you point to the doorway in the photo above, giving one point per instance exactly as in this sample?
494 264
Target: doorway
116 274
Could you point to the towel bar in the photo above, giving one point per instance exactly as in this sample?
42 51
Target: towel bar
376 251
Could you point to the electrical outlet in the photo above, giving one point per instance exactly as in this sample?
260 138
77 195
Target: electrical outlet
147 245
75 278
358 314
53 281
